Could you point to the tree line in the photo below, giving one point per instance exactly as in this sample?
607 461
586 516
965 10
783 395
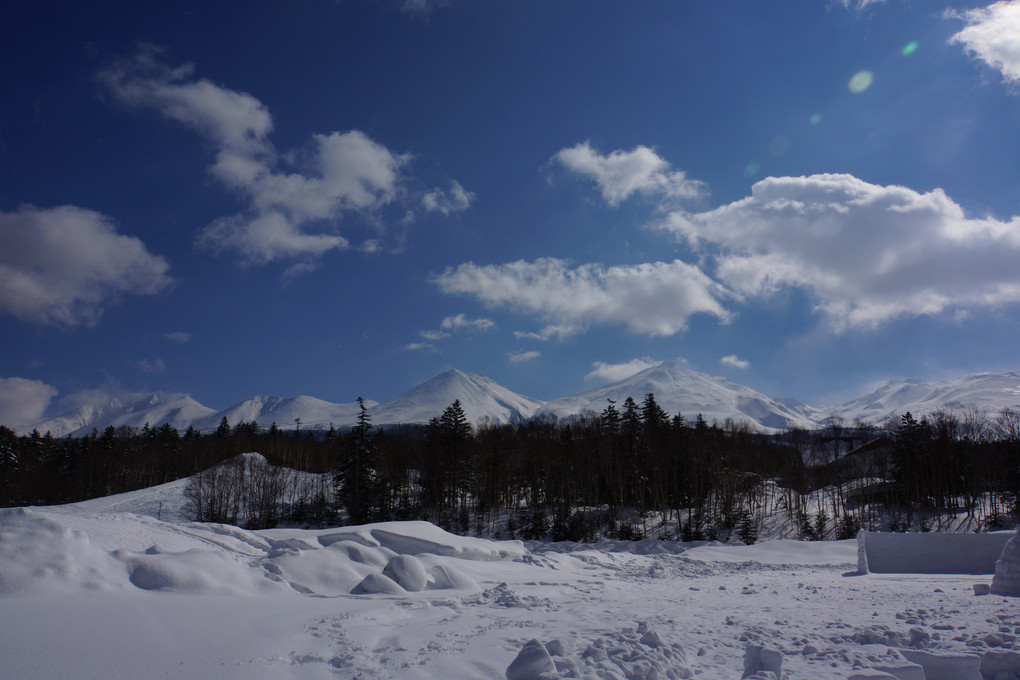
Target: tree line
631 471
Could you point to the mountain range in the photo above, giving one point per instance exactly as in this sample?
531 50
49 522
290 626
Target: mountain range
677 389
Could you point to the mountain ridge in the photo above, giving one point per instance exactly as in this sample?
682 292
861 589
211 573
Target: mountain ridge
677 389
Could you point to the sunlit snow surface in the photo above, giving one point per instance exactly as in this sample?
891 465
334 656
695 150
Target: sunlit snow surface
104 589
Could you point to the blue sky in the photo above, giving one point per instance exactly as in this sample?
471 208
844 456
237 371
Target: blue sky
343 199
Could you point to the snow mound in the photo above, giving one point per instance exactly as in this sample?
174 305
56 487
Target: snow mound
631 654
1007 570
63 550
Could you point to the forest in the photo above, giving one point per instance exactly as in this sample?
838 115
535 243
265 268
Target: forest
629 472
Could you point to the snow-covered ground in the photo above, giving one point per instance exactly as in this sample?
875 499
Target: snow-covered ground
107 589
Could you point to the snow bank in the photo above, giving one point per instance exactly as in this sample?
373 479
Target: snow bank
631 654
46 552
929 553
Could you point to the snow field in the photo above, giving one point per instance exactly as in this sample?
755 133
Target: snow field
96 591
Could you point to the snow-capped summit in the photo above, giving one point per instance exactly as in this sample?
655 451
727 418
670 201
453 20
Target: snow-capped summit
265 410
481 398
988 392
132 410
681 390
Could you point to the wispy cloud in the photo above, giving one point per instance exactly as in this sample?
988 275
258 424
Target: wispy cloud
179 337
522 356
866 253
461 321
295 201
621 174
63 265
156 365
857 4
734 361
558 331
433 336
615 372
993 36
23 401
455 199
656 298
421 347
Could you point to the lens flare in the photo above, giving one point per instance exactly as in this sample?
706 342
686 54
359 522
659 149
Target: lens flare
752 168
909 48
815 118
860 82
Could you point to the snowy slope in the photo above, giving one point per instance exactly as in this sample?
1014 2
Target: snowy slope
989 392
266 410
681 390
135 410
482 399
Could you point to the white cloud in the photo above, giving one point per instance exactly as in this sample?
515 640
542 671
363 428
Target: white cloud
656 298
460 322
523 356
295 201
434 335
615 372
734 361
457 199
623 173
558 331
867 253
993 36
180 337
63 265
23 401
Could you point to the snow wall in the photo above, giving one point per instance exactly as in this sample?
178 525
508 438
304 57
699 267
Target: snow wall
930 553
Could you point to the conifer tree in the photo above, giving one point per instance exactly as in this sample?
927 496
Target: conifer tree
356 476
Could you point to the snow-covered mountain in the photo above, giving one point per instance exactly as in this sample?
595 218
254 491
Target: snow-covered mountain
676 388
989 392
481 398
681 390
315 414
134 410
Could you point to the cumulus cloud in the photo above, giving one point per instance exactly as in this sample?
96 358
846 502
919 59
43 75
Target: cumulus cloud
461 321
560 331
867 253
993 36
615 372
456 199
624 173
522 356
294 201
23 402
180 337
655 298
734 361
64 265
